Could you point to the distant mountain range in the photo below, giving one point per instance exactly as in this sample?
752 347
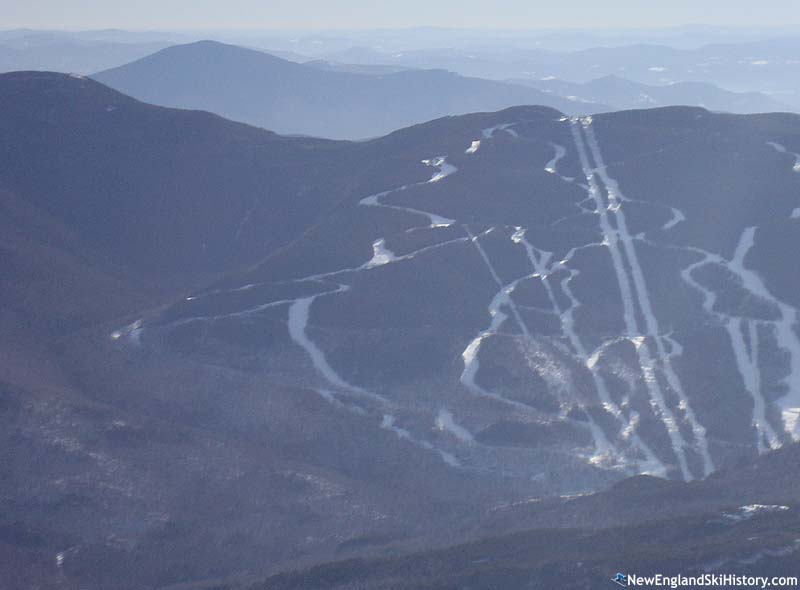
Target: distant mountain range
71 53
768 65
287 97
625 94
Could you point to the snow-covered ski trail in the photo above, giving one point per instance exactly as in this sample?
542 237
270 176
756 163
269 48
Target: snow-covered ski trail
539 259
605 451
552 166
443 170
784 330
634 293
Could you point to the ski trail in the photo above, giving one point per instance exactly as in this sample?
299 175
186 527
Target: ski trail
677 217
299 311
651 322
246 219
489 132
747 363
132 331
796 167
782 149
539 260
382 255
653 330
446 423
443 171
388 423
743 332
785 333
551 166
298 324
435 220
503 296
633 290
746 358
604 450
470 354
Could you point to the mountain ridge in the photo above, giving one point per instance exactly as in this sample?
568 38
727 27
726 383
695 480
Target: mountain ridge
303 99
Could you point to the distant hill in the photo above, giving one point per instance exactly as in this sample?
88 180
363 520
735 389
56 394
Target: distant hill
286 97
626 94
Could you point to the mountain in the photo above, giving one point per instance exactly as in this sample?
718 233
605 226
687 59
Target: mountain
498 312
767 66
625 94
161 190
112 210
264 90
228 354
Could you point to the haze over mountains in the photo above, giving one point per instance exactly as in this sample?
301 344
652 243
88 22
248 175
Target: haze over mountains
230 351
369 100
287 97
624 94
72 52
579 72
768 65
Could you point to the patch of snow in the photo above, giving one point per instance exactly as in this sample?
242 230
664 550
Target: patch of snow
444 169
388 423
751 510
446 423
380 255
132 331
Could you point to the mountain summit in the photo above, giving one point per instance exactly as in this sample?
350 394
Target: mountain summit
287 97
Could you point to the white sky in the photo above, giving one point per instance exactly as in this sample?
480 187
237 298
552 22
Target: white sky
321 14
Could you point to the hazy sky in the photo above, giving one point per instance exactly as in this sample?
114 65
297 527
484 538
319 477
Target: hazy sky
308 14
